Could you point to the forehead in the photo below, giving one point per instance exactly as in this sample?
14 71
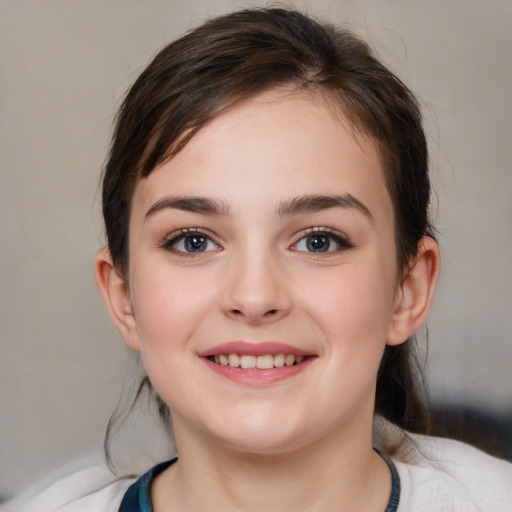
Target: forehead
293 143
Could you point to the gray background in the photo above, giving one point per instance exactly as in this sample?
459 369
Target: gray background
64 67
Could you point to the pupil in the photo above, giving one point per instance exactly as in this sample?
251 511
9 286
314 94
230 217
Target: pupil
318 243
195 243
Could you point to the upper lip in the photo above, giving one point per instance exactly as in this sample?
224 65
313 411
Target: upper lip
253 349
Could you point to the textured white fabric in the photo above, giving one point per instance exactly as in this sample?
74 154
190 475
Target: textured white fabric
441 476
448 476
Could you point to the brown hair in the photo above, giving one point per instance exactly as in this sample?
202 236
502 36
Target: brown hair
237 56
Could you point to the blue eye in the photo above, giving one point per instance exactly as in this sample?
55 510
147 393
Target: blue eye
191 242
322 242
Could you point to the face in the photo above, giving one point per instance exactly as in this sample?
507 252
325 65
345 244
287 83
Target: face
262 276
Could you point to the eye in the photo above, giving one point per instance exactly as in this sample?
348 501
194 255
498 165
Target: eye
190 242
322 241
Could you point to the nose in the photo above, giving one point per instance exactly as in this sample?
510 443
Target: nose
256 291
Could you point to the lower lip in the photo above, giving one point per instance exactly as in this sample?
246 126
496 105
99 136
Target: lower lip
255 377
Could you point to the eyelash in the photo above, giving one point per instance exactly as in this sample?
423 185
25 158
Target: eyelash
342 242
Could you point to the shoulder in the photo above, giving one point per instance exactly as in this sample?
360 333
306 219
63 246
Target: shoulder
86 486
446 475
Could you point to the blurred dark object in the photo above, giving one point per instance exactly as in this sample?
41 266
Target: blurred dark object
491 431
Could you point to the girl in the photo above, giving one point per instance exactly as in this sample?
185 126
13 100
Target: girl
270 256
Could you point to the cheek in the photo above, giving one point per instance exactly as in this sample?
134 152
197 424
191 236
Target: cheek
352 306
168 307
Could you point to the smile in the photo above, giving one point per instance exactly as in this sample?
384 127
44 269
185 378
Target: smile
257 364
262 362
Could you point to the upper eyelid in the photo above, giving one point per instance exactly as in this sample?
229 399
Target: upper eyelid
319 230
189 231
178 234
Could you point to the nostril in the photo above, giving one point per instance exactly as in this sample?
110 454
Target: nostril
255 315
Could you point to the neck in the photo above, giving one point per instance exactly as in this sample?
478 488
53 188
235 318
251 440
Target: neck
340 472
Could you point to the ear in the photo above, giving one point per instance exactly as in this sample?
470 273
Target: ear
415 293
115 293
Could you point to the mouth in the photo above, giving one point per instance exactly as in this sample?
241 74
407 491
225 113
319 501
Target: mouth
257 364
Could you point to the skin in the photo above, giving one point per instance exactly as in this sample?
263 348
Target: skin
305 442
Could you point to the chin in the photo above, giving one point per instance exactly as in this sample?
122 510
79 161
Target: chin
265 444
260 434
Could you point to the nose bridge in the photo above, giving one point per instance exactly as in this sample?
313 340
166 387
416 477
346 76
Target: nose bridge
255 290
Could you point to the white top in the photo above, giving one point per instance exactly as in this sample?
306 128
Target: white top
441 476
454 477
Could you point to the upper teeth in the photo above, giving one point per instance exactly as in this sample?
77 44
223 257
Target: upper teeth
261 362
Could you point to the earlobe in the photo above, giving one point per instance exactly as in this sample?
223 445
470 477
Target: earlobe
114 291
415 293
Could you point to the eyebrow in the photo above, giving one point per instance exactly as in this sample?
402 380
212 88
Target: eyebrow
193 204
316 203
294 206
